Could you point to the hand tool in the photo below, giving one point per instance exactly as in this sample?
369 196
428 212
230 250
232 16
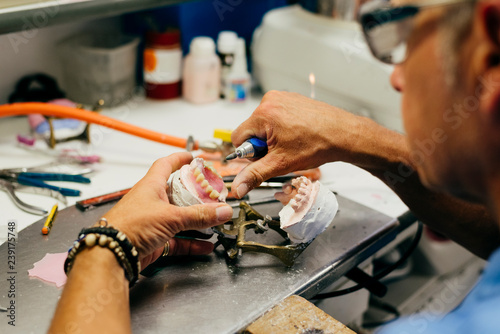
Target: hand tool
252 148
90 203
36 180
13 187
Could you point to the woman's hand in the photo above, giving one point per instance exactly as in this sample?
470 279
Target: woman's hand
149 220
301 133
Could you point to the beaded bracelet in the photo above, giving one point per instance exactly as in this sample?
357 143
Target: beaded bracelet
107 237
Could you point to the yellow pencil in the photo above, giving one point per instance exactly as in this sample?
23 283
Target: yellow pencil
50 219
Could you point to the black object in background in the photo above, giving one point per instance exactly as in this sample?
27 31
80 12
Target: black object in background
36 88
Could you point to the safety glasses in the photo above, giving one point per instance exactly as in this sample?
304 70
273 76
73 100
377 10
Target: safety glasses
387 28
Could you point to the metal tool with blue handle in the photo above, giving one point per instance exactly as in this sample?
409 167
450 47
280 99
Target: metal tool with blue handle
252 148
37 180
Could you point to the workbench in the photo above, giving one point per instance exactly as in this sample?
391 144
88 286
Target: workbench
189 295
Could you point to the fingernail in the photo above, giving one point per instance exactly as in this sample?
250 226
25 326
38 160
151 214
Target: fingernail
242 190
224 213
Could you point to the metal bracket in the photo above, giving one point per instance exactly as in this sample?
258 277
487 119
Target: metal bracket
232 236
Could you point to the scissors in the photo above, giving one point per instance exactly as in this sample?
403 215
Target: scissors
33 182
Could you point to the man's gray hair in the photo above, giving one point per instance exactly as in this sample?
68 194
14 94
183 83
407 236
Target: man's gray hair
456 26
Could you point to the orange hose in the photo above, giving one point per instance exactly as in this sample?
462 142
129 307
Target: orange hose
47 109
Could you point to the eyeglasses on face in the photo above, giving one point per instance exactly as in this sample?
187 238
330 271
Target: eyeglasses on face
387 28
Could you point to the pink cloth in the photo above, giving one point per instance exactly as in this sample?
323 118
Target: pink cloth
35 120
50 269
63 102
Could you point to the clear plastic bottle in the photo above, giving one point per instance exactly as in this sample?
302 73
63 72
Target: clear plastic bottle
201 72
238 79
226 47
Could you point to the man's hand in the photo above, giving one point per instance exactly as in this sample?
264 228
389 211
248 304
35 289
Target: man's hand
301 133
149 220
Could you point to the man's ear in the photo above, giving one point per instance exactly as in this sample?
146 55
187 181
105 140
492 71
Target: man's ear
487 30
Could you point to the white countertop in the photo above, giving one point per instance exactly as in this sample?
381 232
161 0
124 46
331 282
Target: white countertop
125 158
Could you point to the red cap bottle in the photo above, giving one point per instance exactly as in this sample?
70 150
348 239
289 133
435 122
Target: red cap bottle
163 64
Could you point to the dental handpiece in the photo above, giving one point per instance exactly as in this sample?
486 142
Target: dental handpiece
252 148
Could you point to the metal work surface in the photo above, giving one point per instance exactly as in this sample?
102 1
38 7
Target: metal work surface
40 14
200 294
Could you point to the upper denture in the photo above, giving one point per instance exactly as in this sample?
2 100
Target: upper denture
203 182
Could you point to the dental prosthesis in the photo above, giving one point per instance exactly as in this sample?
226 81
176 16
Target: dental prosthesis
196 183
309 209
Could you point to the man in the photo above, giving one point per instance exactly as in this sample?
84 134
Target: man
450 80
447 57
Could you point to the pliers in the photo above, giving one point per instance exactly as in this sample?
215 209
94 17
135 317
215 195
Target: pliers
34 182
11 188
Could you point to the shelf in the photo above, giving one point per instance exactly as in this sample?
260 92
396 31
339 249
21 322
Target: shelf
33 14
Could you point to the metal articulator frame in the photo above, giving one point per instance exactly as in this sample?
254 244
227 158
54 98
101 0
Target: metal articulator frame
232 237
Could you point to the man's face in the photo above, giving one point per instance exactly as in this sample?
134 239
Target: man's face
433 113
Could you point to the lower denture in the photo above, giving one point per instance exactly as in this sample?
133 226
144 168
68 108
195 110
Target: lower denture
309 209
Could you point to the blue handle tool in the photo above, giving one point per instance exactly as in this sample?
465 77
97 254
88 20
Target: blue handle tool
55 177
252 148
27 181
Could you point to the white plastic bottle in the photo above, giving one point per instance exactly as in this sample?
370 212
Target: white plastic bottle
238 79
226 47
201 72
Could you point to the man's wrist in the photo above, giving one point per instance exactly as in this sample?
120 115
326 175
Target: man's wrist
379 149
106 236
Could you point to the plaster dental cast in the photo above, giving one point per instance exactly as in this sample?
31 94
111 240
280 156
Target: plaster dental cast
309 209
